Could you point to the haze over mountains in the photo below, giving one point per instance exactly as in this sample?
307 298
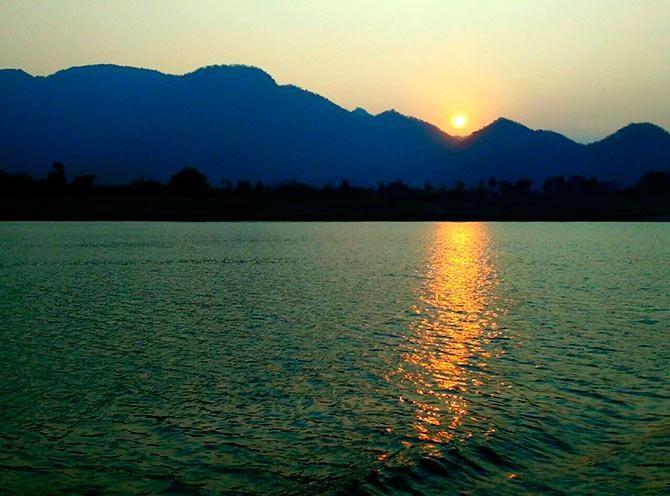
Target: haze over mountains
235 122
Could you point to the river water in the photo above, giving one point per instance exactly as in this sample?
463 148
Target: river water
335 358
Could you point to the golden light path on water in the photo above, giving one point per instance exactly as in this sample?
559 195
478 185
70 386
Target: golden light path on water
449 350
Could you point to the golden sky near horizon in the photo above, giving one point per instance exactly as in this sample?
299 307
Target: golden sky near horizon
584 68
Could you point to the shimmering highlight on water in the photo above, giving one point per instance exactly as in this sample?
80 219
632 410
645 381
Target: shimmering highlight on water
325 358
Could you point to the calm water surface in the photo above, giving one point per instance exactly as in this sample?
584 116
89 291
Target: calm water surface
334 358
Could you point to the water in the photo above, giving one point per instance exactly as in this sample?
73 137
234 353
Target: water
334 358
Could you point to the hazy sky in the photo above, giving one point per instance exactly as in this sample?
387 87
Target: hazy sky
581 67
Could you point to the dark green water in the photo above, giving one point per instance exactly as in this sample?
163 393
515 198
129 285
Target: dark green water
326 358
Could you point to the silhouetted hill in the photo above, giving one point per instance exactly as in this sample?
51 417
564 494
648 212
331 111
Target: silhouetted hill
236 122
636 147
509 150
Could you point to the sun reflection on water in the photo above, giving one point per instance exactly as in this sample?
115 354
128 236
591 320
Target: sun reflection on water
448 354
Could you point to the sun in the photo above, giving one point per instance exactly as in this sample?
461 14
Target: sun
459 120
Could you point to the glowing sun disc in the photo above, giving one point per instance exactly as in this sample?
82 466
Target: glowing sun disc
459 120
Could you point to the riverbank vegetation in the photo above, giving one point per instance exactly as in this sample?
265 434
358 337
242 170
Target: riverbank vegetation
188 195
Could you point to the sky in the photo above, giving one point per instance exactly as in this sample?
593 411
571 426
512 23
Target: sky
580 67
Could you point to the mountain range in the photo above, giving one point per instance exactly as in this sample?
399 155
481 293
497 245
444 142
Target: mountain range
236 122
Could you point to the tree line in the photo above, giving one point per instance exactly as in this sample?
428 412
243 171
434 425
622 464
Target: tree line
192 182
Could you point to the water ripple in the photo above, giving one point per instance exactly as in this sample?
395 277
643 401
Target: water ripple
371 358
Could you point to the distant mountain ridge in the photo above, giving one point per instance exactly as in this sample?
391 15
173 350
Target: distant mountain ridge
236 122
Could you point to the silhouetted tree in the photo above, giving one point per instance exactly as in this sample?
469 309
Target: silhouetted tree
327 188
146 187
522 187
344 186
244 187
56 178
296 189
5 181
555 185
396 187
20 182
189 180
84 182
505 188
583 185
655 183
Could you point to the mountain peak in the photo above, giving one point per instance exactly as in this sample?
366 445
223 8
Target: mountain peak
389 113
507 124
637 131
500 129
232 72
640 128
98 70
361 111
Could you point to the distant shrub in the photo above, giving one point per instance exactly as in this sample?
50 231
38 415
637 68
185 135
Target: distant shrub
189 180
